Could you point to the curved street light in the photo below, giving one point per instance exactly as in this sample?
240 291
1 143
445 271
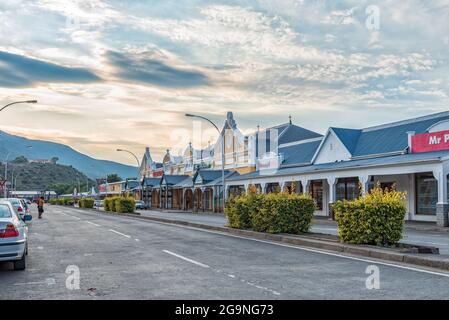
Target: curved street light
138 163
221 133
17 102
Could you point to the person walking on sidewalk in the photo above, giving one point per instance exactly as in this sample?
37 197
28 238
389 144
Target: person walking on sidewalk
40 206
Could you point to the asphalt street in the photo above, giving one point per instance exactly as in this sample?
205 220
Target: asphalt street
125 258
430 238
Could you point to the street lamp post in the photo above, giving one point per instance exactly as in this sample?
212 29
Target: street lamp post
222 154
5 191
138 164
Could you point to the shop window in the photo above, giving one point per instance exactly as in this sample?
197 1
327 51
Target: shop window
426 194
388 186
347 189
316 189
273 188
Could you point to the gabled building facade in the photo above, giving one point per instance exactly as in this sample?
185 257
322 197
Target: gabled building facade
411 156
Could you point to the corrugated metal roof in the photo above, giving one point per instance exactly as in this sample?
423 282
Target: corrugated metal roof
173 179
295 133
299 153
349 137
352 164
393 137
151 182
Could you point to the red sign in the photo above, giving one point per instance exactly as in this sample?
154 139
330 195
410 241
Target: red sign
427 142
157 174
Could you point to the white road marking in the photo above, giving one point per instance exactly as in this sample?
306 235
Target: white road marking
187 259
40 248
308 249
231 276
48 282
137 240
122 234
94 224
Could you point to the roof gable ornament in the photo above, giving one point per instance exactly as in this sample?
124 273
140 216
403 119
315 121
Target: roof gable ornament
230 120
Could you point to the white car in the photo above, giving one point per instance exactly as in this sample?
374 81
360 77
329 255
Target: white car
13 236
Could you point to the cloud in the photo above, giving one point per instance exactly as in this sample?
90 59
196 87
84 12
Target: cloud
21 71
143 68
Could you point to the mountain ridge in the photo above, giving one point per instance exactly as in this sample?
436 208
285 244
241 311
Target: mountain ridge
42 149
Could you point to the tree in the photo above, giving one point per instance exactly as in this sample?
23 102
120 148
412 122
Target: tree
113 177
20 159
54 160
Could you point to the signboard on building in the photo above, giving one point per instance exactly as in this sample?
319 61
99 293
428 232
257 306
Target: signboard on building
428 142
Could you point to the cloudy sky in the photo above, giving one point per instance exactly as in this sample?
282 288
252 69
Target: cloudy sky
111 74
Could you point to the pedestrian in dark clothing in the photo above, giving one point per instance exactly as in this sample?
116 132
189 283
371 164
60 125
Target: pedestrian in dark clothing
40 206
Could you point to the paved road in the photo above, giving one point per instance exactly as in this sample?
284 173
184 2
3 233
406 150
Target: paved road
124 258
430 238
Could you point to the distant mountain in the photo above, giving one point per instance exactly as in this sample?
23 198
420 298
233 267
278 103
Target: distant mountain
47 176
93 168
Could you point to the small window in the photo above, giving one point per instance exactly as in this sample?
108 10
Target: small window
388 186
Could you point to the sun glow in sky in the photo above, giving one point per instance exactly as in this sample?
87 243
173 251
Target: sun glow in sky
114 74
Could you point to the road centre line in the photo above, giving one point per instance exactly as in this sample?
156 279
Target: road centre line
94 224
122 234
186 259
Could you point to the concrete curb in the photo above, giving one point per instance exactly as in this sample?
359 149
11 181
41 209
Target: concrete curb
364 251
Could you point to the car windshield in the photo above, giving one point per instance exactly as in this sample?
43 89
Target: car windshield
4 211
14 202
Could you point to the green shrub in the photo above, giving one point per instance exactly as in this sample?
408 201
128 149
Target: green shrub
87 203
106 204
377 218
112 205
68 201
284 213
273 213
60 201
125 204
239 210
53 201
109 204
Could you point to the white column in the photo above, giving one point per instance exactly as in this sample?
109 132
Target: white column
332 182
262 186
304 185
282 185
364 181
442 206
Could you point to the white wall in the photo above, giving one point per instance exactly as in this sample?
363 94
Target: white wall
332 150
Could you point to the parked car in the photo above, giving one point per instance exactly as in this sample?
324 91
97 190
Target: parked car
98 203
140 205
18 205
13 235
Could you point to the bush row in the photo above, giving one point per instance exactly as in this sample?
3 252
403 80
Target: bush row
120 204
87 203
377 218
62 201
272 213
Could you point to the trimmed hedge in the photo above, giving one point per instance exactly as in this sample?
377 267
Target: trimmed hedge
125 205
87 203
272 213
61 201
120 204
377 218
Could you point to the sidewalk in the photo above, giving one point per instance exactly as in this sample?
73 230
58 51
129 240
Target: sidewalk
425 234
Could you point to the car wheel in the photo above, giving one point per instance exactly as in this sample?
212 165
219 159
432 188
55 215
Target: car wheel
20 264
